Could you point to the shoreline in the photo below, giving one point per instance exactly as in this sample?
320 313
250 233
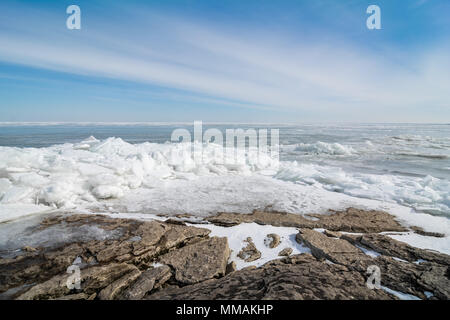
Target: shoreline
324 257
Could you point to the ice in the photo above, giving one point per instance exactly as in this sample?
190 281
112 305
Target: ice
15 194
150 178
325 148
106 192
5 184
28 232
423 194
369 252
10 212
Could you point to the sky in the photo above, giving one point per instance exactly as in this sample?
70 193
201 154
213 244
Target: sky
288 61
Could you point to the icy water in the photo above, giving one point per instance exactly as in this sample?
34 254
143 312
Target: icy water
130 167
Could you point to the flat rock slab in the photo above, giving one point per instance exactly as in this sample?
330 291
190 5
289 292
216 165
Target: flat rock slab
350 220
199 261
92 279
323 247
146 282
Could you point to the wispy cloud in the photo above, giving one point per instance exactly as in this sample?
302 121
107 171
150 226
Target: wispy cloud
254 69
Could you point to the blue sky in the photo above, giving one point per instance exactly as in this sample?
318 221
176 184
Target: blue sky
225 60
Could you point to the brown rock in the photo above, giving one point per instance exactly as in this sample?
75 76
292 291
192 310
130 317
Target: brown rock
357 220
231 267
146 282
272 240
323 247
249 253
29 249
394 248
422 232
114 250
286 252
199 261
436 279
332 234
76 296
405 275
113 290
92 279
279 219
174 221
350 220
306 278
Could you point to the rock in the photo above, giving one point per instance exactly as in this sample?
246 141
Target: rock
76 296
357 220
285 252
114 250
278 219
272 240
323 247
122 266
157 237
231 267
113 290
174 221
422 232
92 279
350 220
249 253
394 248
436 278
199 261
332 234
29 249
146 282
136 242
405 275
301 278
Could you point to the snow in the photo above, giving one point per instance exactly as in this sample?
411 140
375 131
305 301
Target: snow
400 295
238 234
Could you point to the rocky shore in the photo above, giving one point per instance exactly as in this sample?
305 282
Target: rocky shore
174 259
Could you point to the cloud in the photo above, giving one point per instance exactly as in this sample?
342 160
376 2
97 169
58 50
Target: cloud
250 70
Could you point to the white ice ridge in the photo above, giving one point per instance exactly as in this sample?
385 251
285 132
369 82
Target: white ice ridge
70 174
427 194
115 176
